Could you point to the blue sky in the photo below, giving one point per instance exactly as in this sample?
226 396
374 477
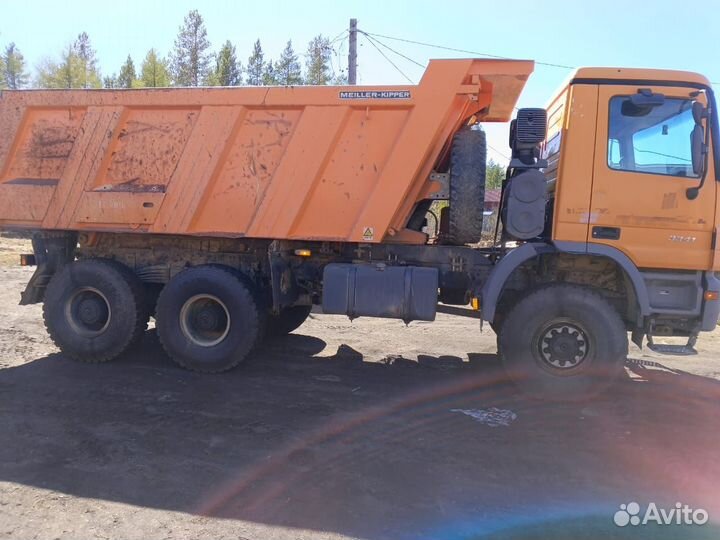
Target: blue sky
662 33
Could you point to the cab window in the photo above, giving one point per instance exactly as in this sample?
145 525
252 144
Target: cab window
654 140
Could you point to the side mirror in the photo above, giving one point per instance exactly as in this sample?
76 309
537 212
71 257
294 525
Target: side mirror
699 112
698 148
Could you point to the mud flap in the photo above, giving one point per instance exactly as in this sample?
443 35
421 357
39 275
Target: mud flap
52 251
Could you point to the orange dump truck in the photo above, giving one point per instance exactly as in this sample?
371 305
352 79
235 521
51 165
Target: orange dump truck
226 213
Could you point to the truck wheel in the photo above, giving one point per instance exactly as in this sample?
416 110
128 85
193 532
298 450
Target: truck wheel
467 186
288 320
94 309
208 319
563 342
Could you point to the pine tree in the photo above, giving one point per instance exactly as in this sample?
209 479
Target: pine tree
269 77
72 71
127 77
110 81
256 65
339 79
87 62
190 58
227 68
12 63
154 71
65 74
287 68
2 70
317 61
495 175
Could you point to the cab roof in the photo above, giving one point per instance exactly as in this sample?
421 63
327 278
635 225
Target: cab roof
639 74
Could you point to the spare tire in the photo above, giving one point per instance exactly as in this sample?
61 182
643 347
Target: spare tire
467 186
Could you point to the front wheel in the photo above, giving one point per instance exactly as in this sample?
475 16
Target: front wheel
563 342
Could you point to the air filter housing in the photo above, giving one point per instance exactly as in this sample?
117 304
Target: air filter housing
530 126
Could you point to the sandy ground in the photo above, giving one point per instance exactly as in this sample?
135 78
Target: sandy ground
341 430
11 247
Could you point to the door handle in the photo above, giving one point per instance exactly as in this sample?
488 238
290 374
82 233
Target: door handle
606 233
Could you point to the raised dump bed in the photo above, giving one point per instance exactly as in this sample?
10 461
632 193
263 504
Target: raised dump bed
324 163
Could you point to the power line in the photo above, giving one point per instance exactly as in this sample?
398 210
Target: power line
498 152
661 154
375 40
372 42
335 57
549 64
341 34
393 50
334 50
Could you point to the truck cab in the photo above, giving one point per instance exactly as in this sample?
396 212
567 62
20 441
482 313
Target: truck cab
639 192
630 163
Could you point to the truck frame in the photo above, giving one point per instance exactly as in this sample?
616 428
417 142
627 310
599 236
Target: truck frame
228 213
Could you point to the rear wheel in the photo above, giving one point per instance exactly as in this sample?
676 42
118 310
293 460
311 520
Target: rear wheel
208 319
289 319
94 309
563 342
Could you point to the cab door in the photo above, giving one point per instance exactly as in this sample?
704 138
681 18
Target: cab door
643 168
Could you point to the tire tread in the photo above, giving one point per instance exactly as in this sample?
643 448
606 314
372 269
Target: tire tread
467 186
594 301
56 287
250 302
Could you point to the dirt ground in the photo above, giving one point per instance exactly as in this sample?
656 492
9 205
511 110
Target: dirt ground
341 430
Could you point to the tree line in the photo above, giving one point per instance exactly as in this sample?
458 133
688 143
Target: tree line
190 63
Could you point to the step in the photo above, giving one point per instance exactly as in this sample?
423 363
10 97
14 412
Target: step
672 350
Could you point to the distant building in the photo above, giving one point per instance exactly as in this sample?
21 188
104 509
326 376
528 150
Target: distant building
492 199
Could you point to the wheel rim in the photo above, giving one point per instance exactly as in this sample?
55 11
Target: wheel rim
88 312
205 320
562 347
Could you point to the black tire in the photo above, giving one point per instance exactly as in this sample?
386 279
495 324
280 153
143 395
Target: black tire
208 319
419 215
94 310
468 156
505 305
563 342
289 319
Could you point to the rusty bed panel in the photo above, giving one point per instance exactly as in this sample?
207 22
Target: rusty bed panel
327 163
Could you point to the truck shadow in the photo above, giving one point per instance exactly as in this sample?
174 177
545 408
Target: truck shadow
368 449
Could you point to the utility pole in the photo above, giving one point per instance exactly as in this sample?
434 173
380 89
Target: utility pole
352 53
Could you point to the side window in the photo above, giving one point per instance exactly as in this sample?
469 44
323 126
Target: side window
653 140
